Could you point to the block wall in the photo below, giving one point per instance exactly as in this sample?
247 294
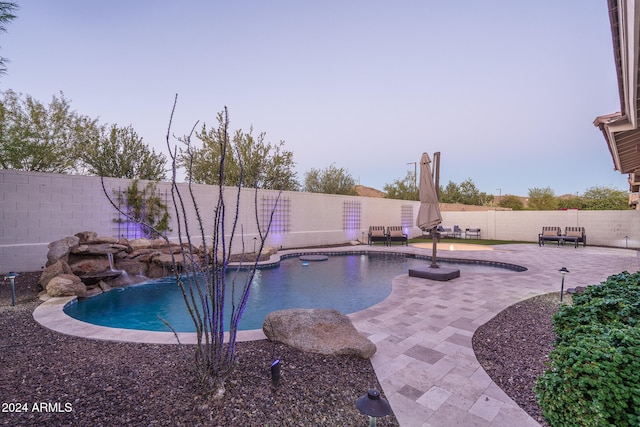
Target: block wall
38 208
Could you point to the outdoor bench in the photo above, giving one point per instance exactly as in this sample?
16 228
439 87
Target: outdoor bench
550 234
472 232
575 235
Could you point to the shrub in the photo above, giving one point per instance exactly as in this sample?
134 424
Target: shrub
594 375
145 208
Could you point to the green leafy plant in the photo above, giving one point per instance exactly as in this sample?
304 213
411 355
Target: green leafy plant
594 375
145 208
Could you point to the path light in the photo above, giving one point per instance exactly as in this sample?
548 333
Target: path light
373 405
564 271
12 277
275 372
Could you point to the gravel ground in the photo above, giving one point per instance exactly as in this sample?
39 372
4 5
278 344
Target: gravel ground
52 379
514 348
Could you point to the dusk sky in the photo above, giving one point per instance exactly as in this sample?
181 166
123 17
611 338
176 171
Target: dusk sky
507 91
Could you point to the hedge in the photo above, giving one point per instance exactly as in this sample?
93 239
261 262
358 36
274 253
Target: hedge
594 374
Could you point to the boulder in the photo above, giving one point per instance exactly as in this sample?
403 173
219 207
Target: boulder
60 249
132 267
53 270
144 255
86 237
140 243
159 243
91 279
158 271
66 285
89 265
98 249
267 251
324 331
167 260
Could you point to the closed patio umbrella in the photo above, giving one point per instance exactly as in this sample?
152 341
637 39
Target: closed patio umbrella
429 215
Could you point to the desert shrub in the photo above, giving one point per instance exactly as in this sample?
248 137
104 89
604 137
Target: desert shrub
594 374
144 207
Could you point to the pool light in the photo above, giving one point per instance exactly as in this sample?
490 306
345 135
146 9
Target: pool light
373 405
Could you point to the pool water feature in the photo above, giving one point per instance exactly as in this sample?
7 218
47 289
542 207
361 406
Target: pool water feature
347 283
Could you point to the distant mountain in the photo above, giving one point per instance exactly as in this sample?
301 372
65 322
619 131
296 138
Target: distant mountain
363 191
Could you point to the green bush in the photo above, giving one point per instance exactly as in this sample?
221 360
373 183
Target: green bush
594 375
146 208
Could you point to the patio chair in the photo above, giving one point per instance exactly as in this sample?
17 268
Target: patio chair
445 231
472 232
549 234
575 235
377 234
396 234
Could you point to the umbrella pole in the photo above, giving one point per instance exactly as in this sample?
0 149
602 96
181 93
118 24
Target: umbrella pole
435 236
436 178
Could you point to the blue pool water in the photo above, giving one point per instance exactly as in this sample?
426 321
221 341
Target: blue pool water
347 283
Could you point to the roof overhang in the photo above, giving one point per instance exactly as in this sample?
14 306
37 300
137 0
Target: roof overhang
621 129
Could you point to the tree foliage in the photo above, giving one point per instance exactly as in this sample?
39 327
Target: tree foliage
121 153
605 198
573 202
542 199
405 189
42 138
7 9
249 160
466 193
511 201
330 180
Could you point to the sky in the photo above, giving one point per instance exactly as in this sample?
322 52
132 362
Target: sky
506 91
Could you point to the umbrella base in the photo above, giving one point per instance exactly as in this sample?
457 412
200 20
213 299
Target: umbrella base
441 273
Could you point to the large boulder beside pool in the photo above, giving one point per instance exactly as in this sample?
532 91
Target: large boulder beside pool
324 331
66 285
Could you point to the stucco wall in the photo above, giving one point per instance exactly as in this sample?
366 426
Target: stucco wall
38 208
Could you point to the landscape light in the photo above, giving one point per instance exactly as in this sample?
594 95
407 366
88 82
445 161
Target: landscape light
564 271
275 372
373 405
12 277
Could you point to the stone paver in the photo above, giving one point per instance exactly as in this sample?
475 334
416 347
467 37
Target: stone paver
439 319
425 361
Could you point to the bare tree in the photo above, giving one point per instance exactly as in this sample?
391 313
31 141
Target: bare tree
201 269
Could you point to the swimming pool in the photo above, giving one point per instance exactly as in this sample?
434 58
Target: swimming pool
347 283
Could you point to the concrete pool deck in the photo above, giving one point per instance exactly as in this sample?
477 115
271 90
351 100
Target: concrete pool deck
425 362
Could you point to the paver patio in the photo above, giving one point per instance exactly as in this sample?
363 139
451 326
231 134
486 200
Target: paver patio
425 361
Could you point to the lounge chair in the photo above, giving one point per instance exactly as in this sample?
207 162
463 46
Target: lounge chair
445 231
377 234
575 235
396 234
472 232
457 232
550 234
